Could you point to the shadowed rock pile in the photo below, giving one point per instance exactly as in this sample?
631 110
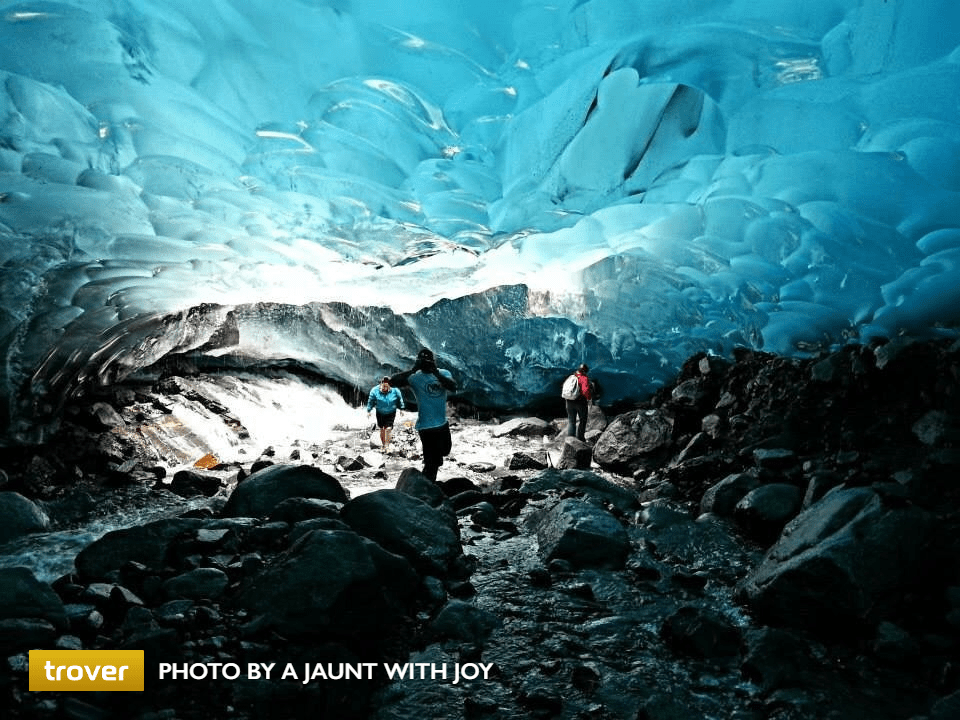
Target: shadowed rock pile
764 538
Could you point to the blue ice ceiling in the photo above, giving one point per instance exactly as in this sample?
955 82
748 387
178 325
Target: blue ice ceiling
522 186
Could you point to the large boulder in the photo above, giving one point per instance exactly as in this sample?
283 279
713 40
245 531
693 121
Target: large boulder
260 493
722 498
849 558
23 596
525 427
635 440
20 516
582 534
145 544
585 483
576 455
764 511
403 524
335 583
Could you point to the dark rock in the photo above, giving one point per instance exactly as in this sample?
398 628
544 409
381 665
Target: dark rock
525 461
946 708
335 583
844 560
407 526
895 646
775 658
764 511
322 523
452 486
416 484
701 633
351 464
661 706
23 596
146 544
483 514
192 483
581 533
663 513
20 516
21 634
297 509
265 489
576 455
774 458
524 427
636 439
105 416
202 583
464 621
466 499
723 497
587 483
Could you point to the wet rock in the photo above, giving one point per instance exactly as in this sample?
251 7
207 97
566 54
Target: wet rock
483 514
846 559
20 516
525 427
21 634
526 461
464 621
775 658
701 633
723 497
576 455
947 708
351 464
936 428
297 509
895 646
23 596
416 484
659 514
105 416
585 483
262 491
202 583
763 511
774 458
466 499
354 587
146 544
582 534
406 525
660 706
634 440
192 483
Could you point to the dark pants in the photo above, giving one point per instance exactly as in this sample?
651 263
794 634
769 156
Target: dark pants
577 410
437 444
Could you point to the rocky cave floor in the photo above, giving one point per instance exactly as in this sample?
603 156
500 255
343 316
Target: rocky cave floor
661 633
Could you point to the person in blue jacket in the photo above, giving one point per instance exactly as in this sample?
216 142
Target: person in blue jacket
430 386
387 400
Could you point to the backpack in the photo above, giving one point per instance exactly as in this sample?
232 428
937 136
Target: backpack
571 388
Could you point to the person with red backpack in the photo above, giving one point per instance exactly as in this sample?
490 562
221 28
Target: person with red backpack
577 392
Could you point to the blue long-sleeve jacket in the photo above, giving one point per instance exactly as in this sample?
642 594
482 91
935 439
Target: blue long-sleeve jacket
385 404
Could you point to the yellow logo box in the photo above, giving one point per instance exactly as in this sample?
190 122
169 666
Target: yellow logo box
85 670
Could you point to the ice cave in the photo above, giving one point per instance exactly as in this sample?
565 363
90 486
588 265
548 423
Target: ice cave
519 185
222 222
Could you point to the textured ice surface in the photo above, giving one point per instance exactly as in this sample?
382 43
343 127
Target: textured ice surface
522 186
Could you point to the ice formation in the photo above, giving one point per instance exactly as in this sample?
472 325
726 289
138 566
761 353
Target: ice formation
521 186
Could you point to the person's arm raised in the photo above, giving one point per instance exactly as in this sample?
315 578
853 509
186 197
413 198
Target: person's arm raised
447 382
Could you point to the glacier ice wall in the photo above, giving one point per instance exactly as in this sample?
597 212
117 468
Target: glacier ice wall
520 185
